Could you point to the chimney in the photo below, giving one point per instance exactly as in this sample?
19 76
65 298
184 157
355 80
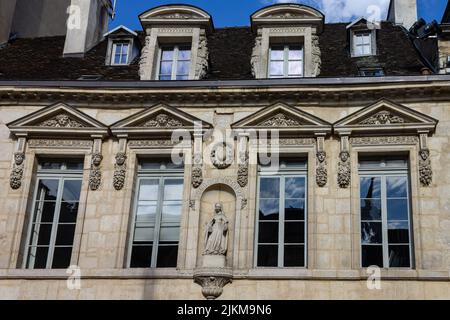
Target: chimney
403 12
7 9
87 23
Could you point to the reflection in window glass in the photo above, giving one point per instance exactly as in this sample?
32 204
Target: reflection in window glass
286 61
175 62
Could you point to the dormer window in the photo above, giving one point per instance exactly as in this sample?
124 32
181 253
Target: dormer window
286 61
120 53
123 46
362 43
175 62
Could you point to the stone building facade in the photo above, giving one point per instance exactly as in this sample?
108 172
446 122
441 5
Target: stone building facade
110 175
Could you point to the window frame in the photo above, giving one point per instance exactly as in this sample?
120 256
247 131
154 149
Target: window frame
61 175
354 45
161 175
282 174
286 60
383 174
176 49
114 49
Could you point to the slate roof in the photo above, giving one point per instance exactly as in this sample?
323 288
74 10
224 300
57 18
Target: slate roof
230 54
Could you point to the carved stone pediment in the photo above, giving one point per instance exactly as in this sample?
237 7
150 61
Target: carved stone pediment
386 116
58 120
157 120
284 118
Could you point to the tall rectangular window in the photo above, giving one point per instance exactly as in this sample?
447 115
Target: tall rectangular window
386 239
175 62
55 210
286 61
362 43
157 215
282 216
120 53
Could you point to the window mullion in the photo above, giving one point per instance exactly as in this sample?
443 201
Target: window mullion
157 222
51 247
175 63
384 222
281 224
286 61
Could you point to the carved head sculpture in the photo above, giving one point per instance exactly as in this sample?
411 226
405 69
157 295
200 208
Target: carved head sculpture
19 157
424 154
321 156
97 159
218 208
162 119
120 158
63 120
383 117
344 155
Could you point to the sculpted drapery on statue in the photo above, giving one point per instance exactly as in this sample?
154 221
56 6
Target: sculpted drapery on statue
216 235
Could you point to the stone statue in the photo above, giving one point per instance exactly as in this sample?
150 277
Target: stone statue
216 235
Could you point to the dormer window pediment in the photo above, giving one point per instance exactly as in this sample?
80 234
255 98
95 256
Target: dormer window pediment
123 46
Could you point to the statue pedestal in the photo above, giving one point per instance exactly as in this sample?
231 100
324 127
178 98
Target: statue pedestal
213 261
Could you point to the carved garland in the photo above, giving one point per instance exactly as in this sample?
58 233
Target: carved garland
425 171
197 172
61 121
95 176
120 168
344 169
279 120
15 180
321 169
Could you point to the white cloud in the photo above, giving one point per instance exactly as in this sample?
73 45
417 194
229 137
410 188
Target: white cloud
345 10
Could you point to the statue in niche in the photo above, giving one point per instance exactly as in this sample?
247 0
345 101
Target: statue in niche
216 235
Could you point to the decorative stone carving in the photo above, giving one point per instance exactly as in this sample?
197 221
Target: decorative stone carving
286 141
163 120
120 171
56 143
392 140
316 55
383 117
279 120
62 120
222 155
242 178
244 203
256 55
151 143
201 66
176 15
95 176
344 169
192 204
216 233
212 281
145 55
197 172
213 181
15 180
321 170
425 171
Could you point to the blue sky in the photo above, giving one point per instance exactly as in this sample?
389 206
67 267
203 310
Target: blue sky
237 12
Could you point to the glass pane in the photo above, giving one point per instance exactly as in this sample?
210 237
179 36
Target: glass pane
268 232
269 209
50 165
372 256
125 49
141 256
46 210
61 257
45 231
167 54
294 188
370 209
71 191
167 256
146 211
396 187
398 232
269 188
371 232
399 257
366 49
183 67
165 77
295 68
169 234
40 257
166 68
149 189
370 187
184 53
293 163
397 209
276 68
65 234
171 212
173 189
294 209
294 256
358 39
294 232
146 234
277 53
74 164
69 211
267 256
48 189
295 53
117 59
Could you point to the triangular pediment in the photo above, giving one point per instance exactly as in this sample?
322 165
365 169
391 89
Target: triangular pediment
158 119
385 115
283 117
58 119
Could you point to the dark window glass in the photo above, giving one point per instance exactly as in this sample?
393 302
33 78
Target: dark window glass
46 210
399 256
69 211
268 232
61 257
40 259
269 209
48 189
294 232
371 209
267 255
294 256
294 209
398 231
141 256
65 234
371 232
167 256
71 191
45 231
372 256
